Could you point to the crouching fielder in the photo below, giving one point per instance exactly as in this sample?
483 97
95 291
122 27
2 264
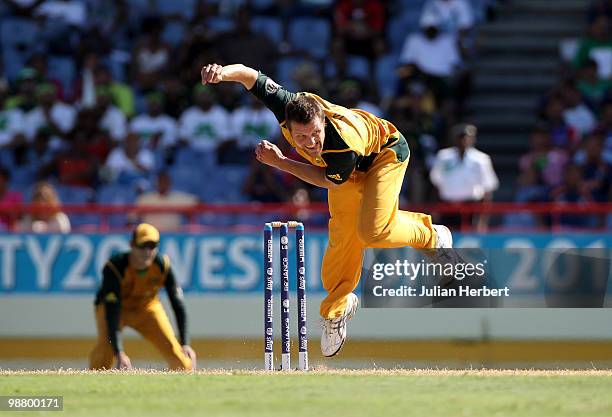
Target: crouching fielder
361 159
128 296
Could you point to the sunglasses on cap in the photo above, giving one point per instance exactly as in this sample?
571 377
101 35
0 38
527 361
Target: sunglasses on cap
147 245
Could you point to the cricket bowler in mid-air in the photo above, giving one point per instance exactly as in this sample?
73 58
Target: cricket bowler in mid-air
361 159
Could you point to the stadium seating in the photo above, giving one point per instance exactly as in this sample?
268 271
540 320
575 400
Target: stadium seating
285 69
480 9
181 7
17 33
138 5
406 22
262 4
174 32
398 29
412 4
268 26
224 184
6 159
23 176
184 178
64 70
220 24
69 194
191 157
78 195
4 9
310 34
385 74
116 195
14 61
18 39
359 67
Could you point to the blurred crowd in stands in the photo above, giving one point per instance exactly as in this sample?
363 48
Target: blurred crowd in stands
101 100
570 156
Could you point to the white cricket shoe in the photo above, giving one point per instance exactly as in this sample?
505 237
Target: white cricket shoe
334 330
444 236
443 253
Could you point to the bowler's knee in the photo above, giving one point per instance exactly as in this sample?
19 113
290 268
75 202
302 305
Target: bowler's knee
370 232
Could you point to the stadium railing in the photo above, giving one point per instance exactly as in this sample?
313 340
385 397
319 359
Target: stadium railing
550 216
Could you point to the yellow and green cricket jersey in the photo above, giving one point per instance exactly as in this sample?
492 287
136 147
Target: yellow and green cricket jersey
126 288
353 137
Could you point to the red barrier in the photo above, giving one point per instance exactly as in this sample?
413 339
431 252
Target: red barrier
464 210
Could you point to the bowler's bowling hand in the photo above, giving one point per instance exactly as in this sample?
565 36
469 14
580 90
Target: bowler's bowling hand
268 153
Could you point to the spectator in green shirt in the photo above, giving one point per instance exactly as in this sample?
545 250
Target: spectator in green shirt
595 45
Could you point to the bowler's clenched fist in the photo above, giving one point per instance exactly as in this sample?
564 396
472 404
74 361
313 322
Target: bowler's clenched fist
268 153
212 74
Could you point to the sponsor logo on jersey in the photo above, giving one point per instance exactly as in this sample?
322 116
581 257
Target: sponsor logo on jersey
271 86
111 297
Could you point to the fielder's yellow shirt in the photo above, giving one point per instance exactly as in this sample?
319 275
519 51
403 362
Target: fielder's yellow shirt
126 288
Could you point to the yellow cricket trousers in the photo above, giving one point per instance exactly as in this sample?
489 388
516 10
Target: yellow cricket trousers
152 323
364 214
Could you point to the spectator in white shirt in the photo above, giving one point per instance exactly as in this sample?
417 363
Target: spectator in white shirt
151 58
155 128
70 12
431 51
463 174
59 21
112 119
431 56
454 17
577 114
164 196
250 123
130 161
204 126
57 117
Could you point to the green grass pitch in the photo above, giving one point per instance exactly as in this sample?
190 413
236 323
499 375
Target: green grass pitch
426 393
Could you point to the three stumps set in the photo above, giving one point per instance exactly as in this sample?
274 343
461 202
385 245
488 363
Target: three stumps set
300 252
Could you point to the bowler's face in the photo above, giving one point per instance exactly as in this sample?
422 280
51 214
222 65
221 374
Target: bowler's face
310 136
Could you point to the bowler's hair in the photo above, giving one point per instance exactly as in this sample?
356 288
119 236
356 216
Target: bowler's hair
303 110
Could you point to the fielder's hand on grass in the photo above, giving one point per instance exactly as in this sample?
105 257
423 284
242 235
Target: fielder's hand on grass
268 153
123 361
190 353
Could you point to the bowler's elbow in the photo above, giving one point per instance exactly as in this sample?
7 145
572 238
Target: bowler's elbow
330 185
